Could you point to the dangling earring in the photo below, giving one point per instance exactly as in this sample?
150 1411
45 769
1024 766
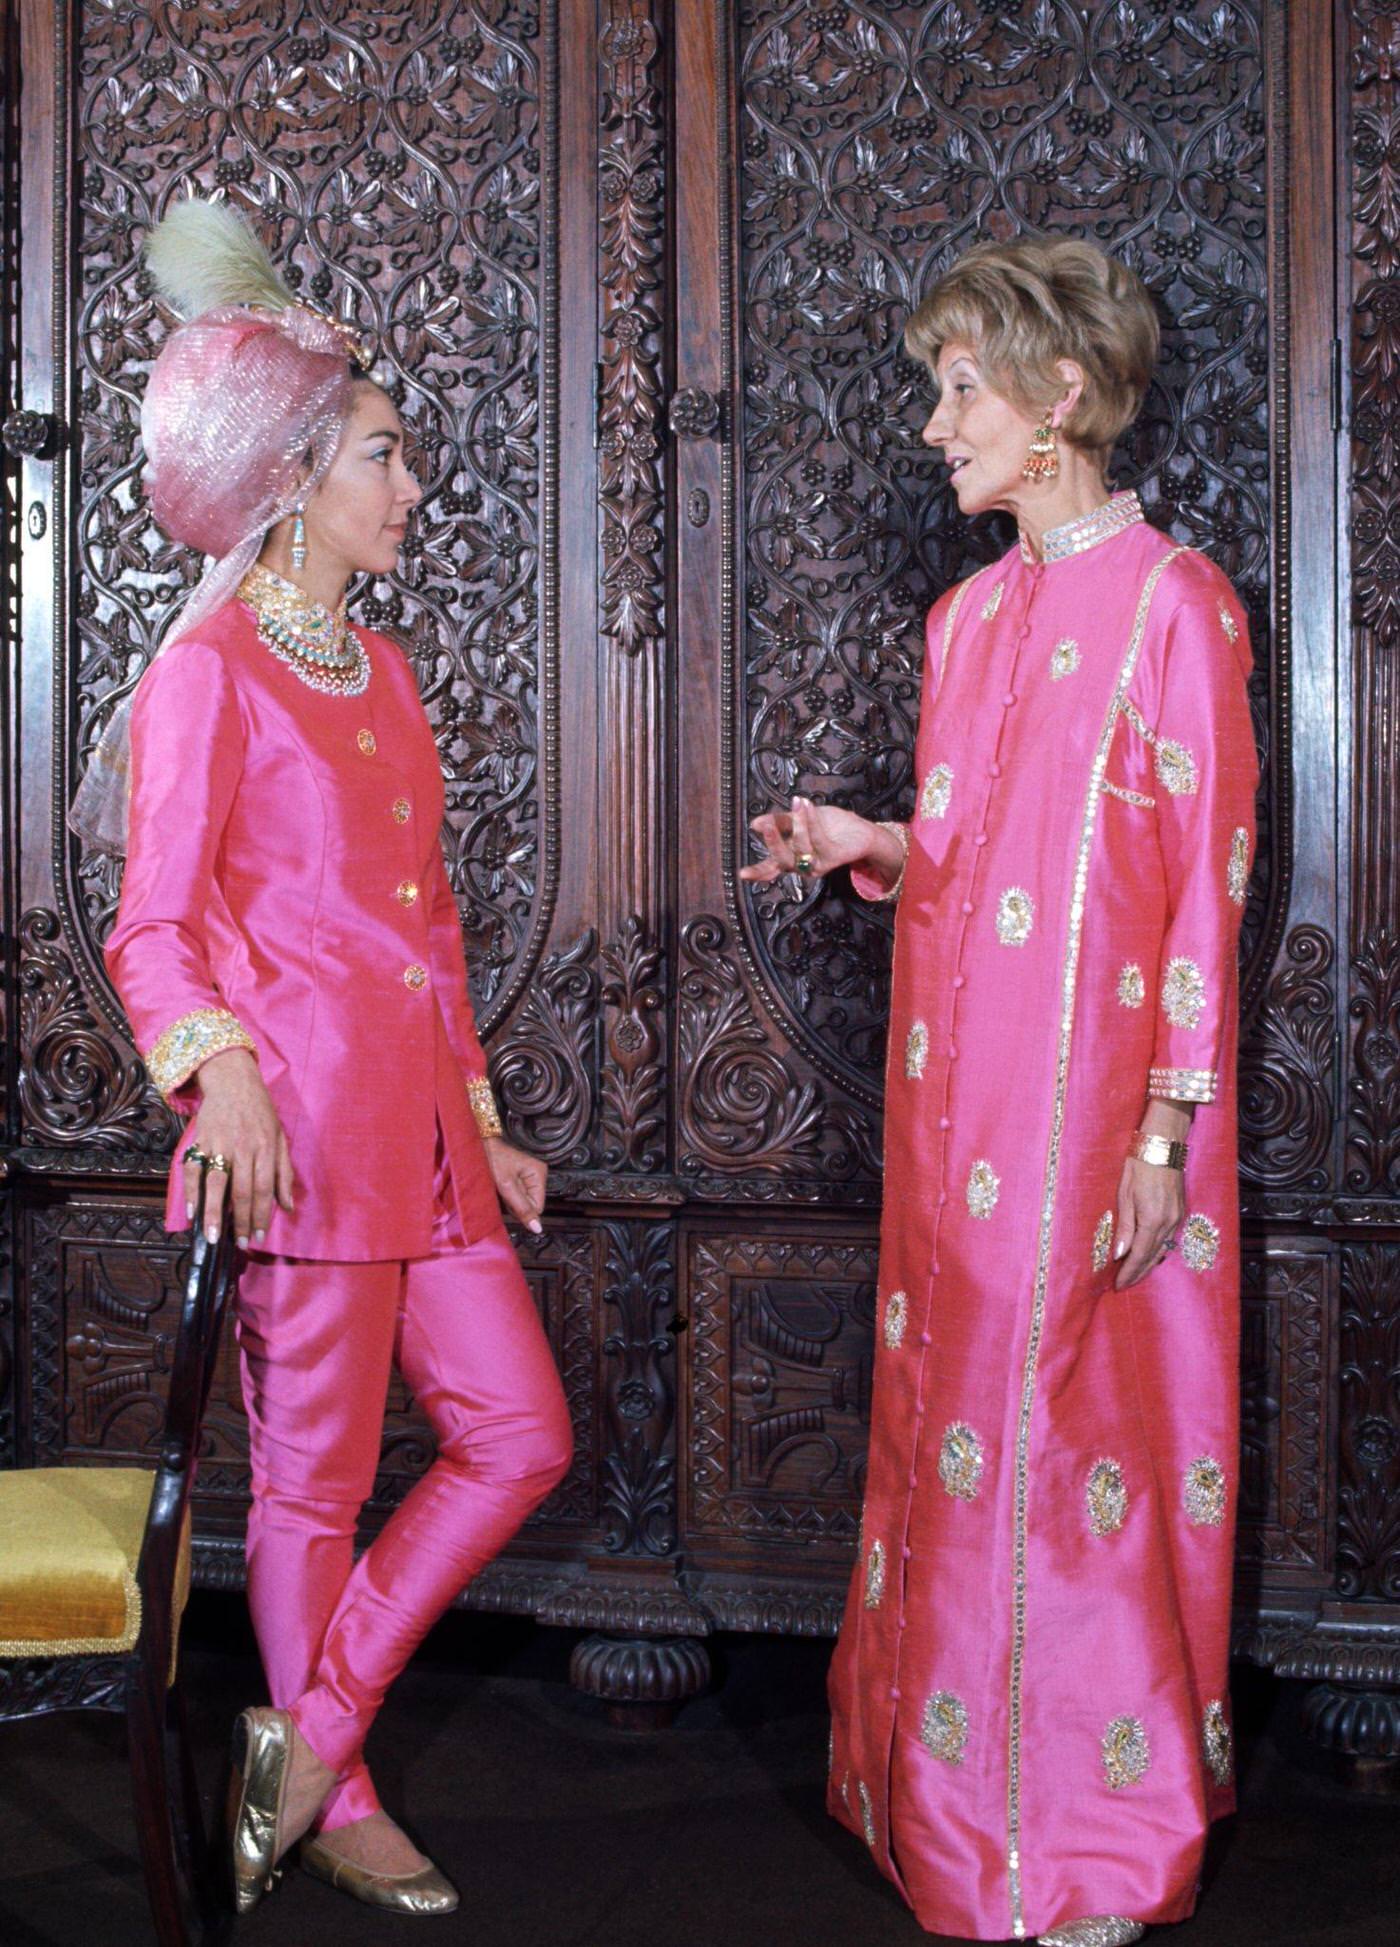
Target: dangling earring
1043 459
298 542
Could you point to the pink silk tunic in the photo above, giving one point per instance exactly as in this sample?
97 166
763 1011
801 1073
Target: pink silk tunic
1029 1695
285 886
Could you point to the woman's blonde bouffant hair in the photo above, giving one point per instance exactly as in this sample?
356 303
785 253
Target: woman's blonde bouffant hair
1024 305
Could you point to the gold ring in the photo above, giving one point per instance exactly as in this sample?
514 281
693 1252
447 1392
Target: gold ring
803 862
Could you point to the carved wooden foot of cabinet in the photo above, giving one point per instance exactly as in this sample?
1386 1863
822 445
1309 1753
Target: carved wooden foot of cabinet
1361 1728
642 1681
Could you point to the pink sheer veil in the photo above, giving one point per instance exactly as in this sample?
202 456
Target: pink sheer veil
243 414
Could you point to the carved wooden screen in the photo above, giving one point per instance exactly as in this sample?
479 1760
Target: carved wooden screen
641 268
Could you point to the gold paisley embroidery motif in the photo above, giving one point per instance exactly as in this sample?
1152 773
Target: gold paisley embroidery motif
1203 1493
1237 871
983 1187
1218 1742
1132 988
944 1726
1228 624
896 1318
875 1575
1103 1240
937 793
993 602
1176 767
1015 916
867 1815
916 1052
1126 1755
1106 1497
960 1461
1200 1243
1183 993
1064 658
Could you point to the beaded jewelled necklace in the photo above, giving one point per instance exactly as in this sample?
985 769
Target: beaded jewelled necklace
321 648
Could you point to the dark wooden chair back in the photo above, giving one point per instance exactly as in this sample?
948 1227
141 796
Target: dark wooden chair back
141 1681
203 1308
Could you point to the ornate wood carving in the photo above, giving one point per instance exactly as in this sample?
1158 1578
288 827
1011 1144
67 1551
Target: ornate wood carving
402 165
33 1685
77 1085
1375 546
1368 1495
1288 1069
739 1107
634 1071
545 1067
639 1390
1286 1428
642 1682
633 176
1373 1087
781 1355
878 142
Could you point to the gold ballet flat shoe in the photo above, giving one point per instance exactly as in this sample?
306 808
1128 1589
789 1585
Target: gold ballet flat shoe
426 1891
262 1750
1103 1930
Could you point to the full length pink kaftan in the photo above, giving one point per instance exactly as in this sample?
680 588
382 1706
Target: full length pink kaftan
1030 1710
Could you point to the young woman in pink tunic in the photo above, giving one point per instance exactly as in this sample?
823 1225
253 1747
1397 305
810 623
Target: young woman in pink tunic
1031 1726
288 950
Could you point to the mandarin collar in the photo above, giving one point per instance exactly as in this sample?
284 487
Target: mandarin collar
1122 511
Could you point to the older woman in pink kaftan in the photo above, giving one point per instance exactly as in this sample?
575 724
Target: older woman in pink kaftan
1030 1710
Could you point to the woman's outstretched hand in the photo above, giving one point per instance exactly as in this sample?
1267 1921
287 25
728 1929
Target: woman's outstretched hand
822 833
236 1120
520 1181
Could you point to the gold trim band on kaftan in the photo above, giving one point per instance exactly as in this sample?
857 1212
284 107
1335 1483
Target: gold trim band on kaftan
1021 1484
179 1049
483 1100
1182 1084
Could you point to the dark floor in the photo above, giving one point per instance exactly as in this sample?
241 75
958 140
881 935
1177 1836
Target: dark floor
562 1832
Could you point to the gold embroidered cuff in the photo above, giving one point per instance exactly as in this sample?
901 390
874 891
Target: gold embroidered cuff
483 1101
1182 1084
192 1040
901 832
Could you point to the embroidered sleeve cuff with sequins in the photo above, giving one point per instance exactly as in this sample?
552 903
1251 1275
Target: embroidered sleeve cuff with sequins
872 888
190 1041
482 1098
1182 1084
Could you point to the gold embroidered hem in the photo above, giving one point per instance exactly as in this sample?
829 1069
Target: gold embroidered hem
1182 1084
483 1100
190 1041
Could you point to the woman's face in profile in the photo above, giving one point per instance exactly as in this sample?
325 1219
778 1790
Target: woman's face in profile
359 514
983 436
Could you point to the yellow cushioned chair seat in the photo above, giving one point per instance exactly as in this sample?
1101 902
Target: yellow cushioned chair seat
70 1540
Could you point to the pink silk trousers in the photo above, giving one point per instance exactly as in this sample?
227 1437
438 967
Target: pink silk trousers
317 1341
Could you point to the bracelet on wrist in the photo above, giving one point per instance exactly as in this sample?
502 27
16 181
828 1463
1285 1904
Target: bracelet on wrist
901 832
1160 1150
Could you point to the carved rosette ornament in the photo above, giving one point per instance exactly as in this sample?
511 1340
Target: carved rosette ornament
695 413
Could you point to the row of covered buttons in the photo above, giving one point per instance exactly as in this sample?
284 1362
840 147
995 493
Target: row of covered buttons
406 892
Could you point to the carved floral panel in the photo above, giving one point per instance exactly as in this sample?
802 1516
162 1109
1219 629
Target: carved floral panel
877 142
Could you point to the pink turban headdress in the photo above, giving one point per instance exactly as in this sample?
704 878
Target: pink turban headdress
242 416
